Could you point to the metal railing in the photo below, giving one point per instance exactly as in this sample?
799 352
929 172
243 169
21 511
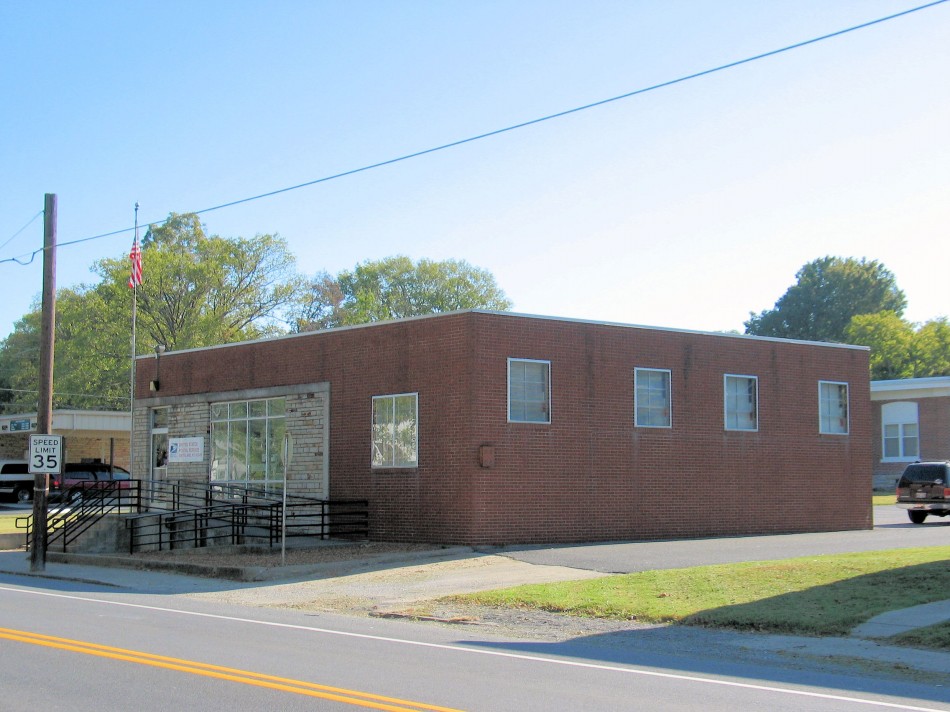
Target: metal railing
80 507
178 514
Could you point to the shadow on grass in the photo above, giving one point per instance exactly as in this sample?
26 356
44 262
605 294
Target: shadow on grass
722 640
836 608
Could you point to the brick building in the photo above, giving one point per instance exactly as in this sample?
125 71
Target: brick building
911 421
480 427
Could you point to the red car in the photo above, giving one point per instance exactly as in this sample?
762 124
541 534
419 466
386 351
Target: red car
80 479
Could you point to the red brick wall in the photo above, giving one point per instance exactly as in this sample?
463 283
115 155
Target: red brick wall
589 475
933 418
592 475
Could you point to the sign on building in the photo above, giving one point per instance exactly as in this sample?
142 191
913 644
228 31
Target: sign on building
186 449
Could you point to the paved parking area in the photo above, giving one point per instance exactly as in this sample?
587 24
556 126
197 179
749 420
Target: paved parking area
892 530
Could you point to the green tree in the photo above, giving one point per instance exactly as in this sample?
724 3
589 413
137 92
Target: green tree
890 339
898 349
931 350
197 290
202 290
829 291
396 287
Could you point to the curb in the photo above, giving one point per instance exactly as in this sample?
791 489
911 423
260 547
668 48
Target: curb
12 541
252 574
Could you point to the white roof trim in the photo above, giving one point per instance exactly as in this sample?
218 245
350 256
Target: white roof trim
516 315
934 387
89 423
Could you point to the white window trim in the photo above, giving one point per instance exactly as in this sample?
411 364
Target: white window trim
547 386
903 408
847 406
392 397
669 405
725 402
271 478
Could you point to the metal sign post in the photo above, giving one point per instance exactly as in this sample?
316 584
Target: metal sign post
288 451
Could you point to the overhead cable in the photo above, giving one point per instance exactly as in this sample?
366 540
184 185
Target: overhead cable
514 127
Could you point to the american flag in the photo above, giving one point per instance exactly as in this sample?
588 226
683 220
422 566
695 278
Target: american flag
135 278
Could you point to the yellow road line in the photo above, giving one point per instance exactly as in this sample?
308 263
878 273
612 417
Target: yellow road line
300 687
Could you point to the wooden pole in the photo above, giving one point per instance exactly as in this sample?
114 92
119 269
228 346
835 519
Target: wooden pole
135 295
44 410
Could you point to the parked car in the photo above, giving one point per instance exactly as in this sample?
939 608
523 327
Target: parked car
924 489
16 480
82 479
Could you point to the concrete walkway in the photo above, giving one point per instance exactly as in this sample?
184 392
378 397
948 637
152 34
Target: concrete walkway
904 620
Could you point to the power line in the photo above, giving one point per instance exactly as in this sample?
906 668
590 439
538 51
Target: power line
515 127
14 235
101 396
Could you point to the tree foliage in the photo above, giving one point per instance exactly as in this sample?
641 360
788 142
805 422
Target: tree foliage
889 338
197 290
396 287
828 293
898 349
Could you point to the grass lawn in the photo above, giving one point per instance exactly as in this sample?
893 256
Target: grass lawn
881 499
817 595
935 636
8 521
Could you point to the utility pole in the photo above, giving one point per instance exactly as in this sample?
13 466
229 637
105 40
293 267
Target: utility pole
44 411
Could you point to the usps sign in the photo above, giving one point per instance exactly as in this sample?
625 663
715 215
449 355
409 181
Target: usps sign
186 449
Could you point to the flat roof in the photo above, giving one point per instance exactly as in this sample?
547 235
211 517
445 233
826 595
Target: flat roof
933 387
517 315
86 423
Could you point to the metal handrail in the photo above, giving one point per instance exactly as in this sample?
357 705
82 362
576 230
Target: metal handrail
81 506
172 503
212 510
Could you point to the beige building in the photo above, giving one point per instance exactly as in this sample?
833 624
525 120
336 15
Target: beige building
87 435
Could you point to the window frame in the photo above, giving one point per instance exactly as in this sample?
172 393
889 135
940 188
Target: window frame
822 415
373 442
896 414
547 392
726 396
240 420
158 442
636 397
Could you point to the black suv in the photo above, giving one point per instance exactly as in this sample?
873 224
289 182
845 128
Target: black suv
924 489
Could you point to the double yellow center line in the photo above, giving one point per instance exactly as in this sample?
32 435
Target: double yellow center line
283 684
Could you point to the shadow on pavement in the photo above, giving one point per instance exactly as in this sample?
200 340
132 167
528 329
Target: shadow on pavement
843 665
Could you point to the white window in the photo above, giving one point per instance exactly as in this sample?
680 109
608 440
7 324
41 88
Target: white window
529 391
832 408
900 432
395 430
741 402
247 439
651 396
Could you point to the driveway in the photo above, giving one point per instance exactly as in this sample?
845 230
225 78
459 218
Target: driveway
892 530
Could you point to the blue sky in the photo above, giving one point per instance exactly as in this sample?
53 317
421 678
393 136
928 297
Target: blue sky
685 207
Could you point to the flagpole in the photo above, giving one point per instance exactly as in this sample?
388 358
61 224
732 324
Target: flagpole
134 284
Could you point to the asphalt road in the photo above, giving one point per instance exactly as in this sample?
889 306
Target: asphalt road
125 646
892 530
78 647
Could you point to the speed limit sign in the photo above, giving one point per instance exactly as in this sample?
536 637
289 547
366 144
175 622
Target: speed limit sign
46 454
